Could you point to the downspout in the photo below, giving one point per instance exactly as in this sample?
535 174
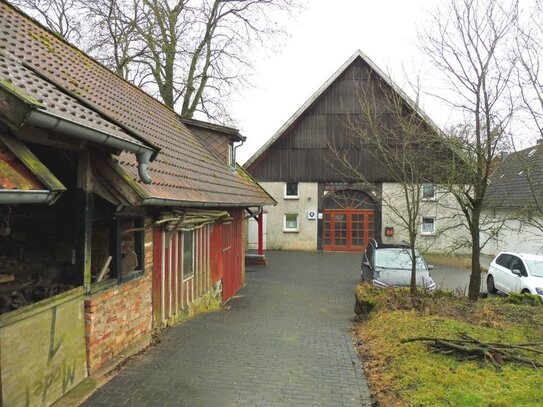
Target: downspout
49 121
236 147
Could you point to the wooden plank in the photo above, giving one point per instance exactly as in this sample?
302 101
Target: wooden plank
102 272
27 311
43 354
30 161
6 278
157 272
84 208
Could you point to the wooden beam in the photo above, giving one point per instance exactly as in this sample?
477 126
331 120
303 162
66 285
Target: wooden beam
85 204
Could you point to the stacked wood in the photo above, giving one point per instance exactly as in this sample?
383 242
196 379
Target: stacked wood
469 348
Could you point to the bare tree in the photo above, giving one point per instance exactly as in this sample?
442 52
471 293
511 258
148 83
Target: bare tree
61 16
404 143
115 39
192 54
467 41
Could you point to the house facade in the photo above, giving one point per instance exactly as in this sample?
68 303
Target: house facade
311 167
513 202
116 216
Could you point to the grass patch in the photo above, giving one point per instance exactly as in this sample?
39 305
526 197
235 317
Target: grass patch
448 260
409 375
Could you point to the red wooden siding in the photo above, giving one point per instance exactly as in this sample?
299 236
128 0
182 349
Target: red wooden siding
232 254
217 254
173 288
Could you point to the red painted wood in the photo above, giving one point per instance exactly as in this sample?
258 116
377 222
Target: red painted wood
217 266
232 254
157 269
179 271
167 276
347 229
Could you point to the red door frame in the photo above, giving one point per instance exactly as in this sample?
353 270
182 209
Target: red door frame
349 246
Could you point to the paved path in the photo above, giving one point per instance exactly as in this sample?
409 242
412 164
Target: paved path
285 341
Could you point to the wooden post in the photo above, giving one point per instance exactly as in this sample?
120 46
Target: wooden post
260 233
84 210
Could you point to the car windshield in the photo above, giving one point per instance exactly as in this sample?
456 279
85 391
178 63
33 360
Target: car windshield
396 259
535 267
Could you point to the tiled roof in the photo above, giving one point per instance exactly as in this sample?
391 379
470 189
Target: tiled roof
185 170
14 174
54 101
517 179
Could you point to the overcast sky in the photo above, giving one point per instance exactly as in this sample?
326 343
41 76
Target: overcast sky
323 37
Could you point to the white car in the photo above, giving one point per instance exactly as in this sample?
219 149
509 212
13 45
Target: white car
516 273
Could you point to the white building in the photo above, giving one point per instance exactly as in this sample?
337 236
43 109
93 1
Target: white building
322 205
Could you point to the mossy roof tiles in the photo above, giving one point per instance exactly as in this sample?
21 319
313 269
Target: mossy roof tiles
184 170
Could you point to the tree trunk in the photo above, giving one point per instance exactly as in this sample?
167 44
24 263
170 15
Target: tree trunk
413 285
475 277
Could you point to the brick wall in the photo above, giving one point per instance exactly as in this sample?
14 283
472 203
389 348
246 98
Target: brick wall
120 318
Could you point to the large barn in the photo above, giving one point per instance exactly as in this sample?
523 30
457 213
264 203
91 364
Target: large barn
322 204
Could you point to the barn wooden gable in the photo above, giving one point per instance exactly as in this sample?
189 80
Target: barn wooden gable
301 149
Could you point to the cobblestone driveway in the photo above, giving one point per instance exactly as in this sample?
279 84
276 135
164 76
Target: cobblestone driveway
285 341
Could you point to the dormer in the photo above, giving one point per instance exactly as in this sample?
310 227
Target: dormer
219 139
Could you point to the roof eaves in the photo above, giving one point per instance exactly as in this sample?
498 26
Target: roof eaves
95 108
243 173
213 126
19 93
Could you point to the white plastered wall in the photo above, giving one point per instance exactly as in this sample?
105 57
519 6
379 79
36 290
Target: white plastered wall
252 234
306 236
513 235
444 208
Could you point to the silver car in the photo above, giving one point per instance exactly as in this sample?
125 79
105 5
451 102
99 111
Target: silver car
390 266
516 273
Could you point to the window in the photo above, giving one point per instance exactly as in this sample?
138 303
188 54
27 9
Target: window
428 226
428 191
188 254
291 190
230 159
504 260
291 222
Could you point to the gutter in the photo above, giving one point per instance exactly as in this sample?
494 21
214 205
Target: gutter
50 121
19 196
192 204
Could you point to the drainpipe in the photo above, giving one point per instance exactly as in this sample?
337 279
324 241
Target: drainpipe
61 125
243 138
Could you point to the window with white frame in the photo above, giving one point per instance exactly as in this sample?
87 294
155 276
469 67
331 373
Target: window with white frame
291 190
428 191
188 254
428 225
230 159
291 222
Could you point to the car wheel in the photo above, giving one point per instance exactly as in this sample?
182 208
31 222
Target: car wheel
525 291
490 287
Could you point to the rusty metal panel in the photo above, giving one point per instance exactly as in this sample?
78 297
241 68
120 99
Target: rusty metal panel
14 174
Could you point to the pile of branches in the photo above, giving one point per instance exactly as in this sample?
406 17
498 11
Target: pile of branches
469 348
